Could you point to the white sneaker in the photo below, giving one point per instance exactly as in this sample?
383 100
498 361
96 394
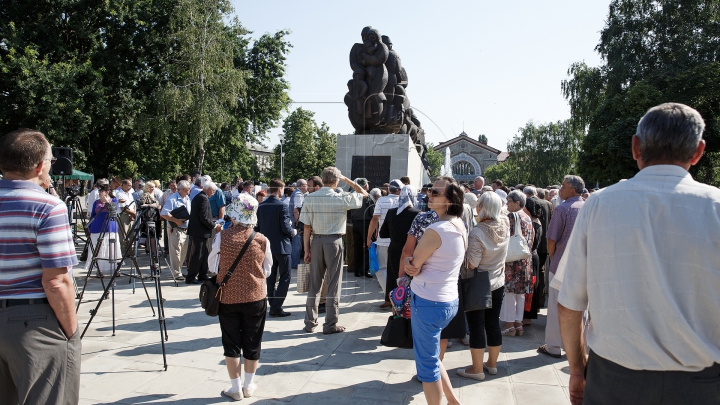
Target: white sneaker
466 340
249 391
233 395
449 344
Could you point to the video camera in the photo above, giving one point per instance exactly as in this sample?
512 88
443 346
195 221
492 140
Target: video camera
72 190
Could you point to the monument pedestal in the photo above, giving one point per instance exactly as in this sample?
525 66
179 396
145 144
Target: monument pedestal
380 158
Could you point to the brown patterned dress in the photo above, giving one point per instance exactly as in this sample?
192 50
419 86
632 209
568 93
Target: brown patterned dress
518 274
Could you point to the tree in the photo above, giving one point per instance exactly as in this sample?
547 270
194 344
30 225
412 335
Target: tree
435 160
540 154
308 148
654 52
482 139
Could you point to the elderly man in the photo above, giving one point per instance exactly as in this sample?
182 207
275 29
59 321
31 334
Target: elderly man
295 205
324 213
139 189
645 264
39 344
558 234
172 188
478 185
177 238
200 229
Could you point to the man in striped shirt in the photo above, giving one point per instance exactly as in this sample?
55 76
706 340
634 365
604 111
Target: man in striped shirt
39 344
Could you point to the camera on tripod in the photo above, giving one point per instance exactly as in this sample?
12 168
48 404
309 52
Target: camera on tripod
72 190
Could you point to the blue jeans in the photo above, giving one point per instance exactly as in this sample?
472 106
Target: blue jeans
428 320
295 258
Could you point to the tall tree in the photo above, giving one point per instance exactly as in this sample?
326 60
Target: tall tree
205 83
435 160
540 154
482 139
654 52
308 148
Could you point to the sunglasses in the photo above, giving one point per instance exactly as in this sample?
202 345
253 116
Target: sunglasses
435 192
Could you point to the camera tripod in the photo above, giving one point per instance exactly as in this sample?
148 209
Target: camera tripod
109 289
74 211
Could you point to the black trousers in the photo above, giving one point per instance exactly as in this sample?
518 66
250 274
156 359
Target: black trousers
541 279
535 303
487 321
198 264
242 327
281 274
362 259
608 383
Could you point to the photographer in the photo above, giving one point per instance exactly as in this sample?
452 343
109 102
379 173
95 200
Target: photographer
98 213
126 209
93 195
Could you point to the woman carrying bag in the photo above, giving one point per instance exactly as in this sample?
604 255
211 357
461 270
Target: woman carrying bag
487 249
243 303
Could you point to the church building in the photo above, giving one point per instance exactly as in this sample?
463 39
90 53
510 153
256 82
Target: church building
470 157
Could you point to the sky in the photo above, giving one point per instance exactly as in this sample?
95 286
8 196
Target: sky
479 66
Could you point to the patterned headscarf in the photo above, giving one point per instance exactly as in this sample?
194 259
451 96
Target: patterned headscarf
243 209
408 198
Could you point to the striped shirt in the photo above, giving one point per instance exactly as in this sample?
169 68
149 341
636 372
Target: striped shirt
34 235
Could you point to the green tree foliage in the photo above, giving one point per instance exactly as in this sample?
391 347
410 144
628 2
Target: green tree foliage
483 139
654 52
308 148
435 160
141 87
540 154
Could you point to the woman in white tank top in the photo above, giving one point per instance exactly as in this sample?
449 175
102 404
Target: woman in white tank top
435 268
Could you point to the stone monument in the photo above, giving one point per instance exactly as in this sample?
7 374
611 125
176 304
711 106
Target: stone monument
388 142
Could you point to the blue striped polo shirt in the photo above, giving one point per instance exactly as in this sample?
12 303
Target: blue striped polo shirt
34 234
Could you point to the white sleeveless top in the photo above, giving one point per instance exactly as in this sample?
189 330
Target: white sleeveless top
439 275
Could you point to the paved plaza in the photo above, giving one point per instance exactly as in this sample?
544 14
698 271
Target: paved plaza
295 367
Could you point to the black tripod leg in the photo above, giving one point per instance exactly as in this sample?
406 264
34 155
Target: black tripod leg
140 276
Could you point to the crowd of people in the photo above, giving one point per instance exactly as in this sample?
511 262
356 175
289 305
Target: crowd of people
629 272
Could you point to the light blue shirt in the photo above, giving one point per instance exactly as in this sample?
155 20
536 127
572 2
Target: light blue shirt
195 190
175 201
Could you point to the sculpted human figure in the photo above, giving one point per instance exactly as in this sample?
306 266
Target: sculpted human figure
394 91
374 55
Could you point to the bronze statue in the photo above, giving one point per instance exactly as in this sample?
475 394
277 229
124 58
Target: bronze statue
376 99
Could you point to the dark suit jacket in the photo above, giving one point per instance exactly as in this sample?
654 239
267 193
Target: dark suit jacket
274 222
546 208
200 224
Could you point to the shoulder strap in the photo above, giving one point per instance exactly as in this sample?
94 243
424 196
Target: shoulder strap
237 260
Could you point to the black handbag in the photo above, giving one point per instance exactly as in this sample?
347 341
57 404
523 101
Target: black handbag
211 291
397 333
475 291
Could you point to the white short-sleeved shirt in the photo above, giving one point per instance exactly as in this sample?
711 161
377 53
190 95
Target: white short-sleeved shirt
382 206
121 195
644 259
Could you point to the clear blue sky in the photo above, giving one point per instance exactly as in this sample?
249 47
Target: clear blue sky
493 66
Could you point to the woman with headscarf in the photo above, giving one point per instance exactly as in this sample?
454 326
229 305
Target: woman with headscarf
243 303
396 226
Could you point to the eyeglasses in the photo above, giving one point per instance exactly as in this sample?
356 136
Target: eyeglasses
52 160
435 192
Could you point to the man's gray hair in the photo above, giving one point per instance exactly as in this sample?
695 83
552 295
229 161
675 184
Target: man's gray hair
330 175
183 185
480 178
375 193
541 193
301 182
207 183
576 182
670 132
530 191
518 197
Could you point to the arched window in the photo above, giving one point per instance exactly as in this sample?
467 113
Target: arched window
463 168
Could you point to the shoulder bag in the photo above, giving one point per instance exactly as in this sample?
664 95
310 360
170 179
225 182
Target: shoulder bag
518 248
211 291
475 291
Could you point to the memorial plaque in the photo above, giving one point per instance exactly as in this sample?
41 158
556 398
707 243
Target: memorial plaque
374 168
